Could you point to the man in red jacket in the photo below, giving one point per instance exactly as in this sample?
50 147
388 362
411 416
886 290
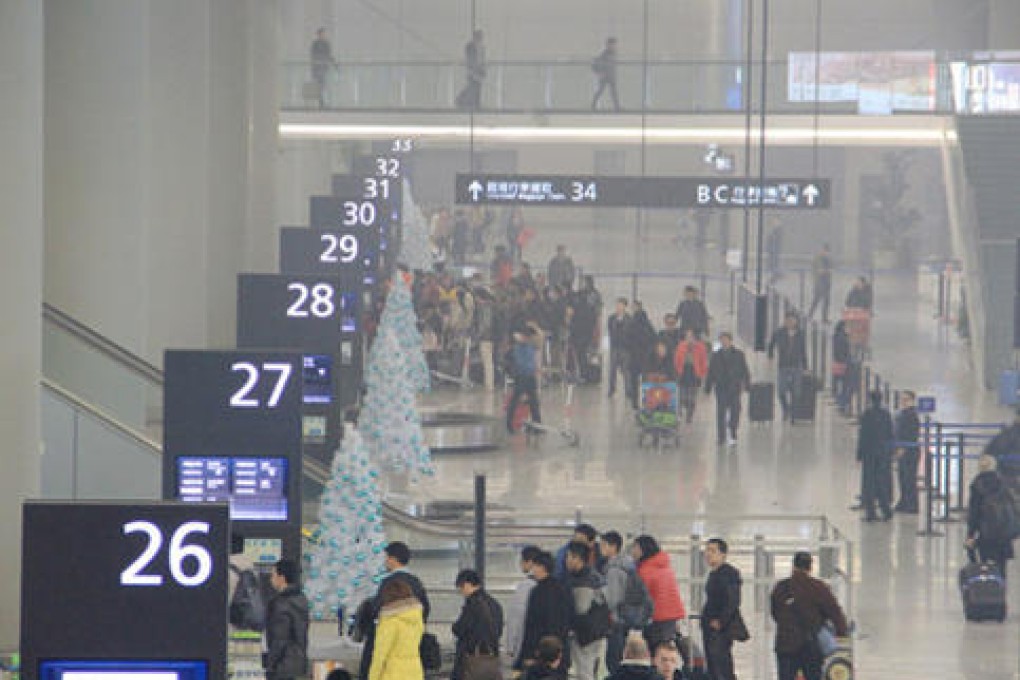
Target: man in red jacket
691 363
801 605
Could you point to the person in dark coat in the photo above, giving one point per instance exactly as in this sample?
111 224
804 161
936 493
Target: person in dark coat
875 442
990 544
642 344
790 344
397 556
721 622
801 605
550 610
670 333
729 375
1005 448
479 627
618 327
907 429
604 66
659 364
692 313
286 625
842 386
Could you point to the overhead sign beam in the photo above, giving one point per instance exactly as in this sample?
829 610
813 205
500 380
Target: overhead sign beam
642 192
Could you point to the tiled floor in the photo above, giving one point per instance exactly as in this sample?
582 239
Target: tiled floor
907 606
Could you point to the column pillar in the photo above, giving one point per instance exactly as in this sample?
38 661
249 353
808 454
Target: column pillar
1003 24
21 236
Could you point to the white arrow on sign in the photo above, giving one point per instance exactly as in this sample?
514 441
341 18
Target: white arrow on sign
811 194
475 188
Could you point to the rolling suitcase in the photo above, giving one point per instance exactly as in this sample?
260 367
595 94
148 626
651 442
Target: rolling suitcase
591 369
805 399
983 591
762 402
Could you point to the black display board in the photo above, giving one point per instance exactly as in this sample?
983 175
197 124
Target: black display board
232 432
328 252
112 587
297 311
642 192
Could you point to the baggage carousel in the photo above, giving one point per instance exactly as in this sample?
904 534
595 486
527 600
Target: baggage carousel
453 432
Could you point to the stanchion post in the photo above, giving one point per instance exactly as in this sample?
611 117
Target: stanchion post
925 518
825 358
733 291
696 568
937 471
814 350
704 286
480 526
961 501
803 288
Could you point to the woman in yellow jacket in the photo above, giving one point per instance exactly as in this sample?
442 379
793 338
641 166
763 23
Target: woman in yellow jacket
398 635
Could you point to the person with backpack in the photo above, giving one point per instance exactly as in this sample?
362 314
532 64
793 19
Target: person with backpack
524 358
992 522
659 578
397 654
1005 448
397 556
478 630
549 612
590 623
801 605
630 605
287 622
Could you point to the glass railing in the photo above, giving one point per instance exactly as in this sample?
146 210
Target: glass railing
568 86
101 373
89 455
561 86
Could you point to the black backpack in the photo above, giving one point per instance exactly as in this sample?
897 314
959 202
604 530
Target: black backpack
247 605
999 521
596 623
636 610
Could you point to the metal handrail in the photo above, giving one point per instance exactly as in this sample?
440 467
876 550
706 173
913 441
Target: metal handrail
102 344
79 404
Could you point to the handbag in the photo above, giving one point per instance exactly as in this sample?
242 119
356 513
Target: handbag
430 652
826 639
479 665
737 629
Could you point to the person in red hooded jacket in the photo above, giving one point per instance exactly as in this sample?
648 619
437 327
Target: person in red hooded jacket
658 576
691 363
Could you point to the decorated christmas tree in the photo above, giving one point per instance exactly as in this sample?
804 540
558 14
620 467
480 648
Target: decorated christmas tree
416 248
345 559
389 421
399 316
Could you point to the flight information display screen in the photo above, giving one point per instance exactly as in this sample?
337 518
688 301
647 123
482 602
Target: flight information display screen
123 670
254 488
317 379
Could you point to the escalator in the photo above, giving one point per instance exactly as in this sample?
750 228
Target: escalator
102 431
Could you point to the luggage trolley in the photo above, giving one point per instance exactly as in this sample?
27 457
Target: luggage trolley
658 418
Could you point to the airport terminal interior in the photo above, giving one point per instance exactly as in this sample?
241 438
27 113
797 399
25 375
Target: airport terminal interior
198 190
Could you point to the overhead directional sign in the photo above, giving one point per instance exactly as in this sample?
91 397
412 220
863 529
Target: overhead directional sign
643 192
